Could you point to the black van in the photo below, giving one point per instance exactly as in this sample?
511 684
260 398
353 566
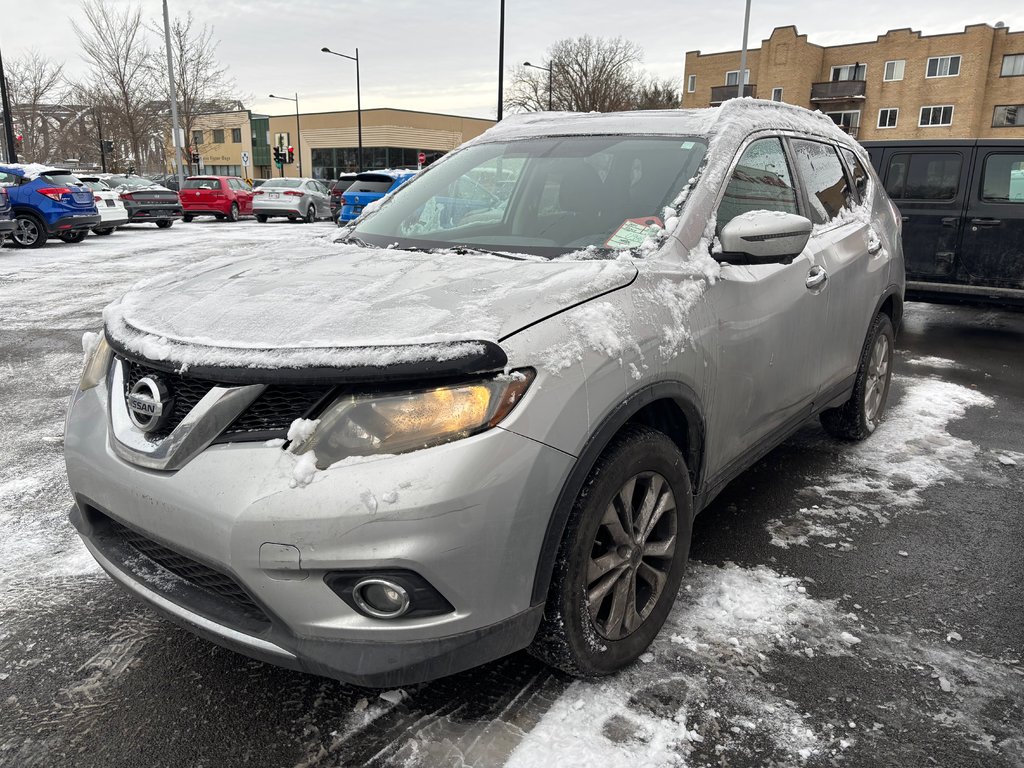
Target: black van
962 204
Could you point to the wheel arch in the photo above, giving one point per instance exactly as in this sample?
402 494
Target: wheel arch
670 407
891 304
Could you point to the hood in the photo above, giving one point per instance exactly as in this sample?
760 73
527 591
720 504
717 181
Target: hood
319 303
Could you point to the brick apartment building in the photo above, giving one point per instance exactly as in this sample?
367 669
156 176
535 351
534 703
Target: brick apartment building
904 85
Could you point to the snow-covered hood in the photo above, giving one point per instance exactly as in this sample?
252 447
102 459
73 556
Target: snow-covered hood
332 305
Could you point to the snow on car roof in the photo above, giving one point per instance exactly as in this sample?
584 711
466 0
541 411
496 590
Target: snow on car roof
31 170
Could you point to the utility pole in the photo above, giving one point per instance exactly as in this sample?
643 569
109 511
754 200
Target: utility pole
12 150
501 60
103 146
743 54
174 100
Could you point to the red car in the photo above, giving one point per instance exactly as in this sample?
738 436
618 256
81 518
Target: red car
226 197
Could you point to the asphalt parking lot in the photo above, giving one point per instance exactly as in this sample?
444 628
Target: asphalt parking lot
845 605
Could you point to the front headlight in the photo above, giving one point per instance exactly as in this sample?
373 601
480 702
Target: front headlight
97 359
360 425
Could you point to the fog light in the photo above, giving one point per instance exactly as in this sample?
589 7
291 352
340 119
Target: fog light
380 598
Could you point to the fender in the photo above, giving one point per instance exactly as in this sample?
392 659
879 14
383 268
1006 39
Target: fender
599 439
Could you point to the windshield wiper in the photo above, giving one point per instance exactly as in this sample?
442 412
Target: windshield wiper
462 250
350 238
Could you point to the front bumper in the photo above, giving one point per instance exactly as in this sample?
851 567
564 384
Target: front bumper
469 517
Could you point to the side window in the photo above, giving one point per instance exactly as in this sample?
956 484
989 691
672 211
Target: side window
760 181
860 176
922 176
824 179
1003 179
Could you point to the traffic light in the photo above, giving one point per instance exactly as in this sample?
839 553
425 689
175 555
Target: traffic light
291 155
278 157
108 145
195 158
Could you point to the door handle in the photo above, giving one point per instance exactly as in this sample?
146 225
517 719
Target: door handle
904 219
875 248
950 221
816 277
986 222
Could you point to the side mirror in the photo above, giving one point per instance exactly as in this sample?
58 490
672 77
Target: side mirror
764 237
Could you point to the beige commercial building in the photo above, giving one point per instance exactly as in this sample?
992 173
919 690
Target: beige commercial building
325 144
903 85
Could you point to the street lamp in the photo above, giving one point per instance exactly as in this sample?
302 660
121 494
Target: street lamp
298 128
548 70
359 102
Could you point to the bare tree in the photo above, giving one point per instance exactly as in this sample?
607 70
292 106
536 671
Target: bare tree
124 76
36 85
658 94
588 74
202 83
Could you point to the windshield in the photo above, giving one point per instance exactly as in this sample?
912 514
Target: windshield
376 183
543 196
136 182
96 185
283 183
202 183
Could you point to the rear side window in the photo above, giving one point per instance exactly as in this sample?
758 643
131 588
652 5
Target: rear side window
761 181
1003 179
932 176
824 179
860 175
9 179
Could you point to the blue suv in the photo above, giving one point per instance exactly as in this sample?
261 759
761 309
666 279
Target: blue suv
369 187
48 202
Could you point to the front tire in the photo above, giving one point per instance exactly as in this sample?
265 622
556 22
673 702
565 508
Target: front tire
858 417
621 559
310 215
233 214
261 219
29 233
105 231
165 223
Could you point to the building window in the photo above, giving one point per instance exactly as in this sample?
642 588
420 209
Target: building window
691 83
943 66
887 117
1008 115
894 70
197 138
733 77
1013 65
218 135
849 72
776 94
236 135
940 115
848 120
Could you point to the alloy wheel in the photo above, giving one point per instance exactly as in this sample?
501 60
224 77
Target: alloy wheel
26 233
631 555
874 387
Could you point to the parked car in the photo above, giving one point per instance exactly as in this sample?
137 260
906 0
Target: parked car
962 205
367 188
48 202
7 223
112 212
145 200
295 199
441 442
337 190
225 197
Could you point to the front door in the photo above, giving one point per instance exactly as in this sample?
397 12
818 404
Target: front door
992 252
771 318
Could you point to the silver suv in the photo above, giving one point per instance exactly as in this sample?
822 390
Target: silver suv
485 418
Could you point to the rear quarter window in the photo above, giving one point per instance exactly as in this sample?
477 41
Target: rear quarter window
923 176
1003 179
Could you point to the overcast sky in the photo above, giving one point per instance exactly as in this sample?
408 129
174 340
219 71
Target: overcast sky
442 55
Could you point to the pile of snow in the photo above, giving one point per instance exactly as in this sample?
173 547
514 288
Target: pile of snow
31 171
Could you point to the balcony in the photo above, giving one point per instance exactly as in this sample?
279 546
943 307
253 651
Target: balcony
840 90
720 93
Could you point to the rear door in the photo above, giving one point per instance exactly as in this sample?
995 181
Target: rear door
993 240
927 185
243 195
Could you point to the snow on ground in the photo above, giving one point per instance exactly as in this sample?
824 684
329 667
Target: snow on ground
885 475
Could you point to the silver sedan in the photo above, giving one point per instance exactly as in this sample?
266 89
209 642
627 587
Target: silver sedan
296 199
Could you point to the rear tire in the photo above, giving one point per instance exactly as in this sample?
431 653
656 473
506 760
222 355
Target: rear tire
165 223
74 237
187 218
858 417
30 232
261 218
622 556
